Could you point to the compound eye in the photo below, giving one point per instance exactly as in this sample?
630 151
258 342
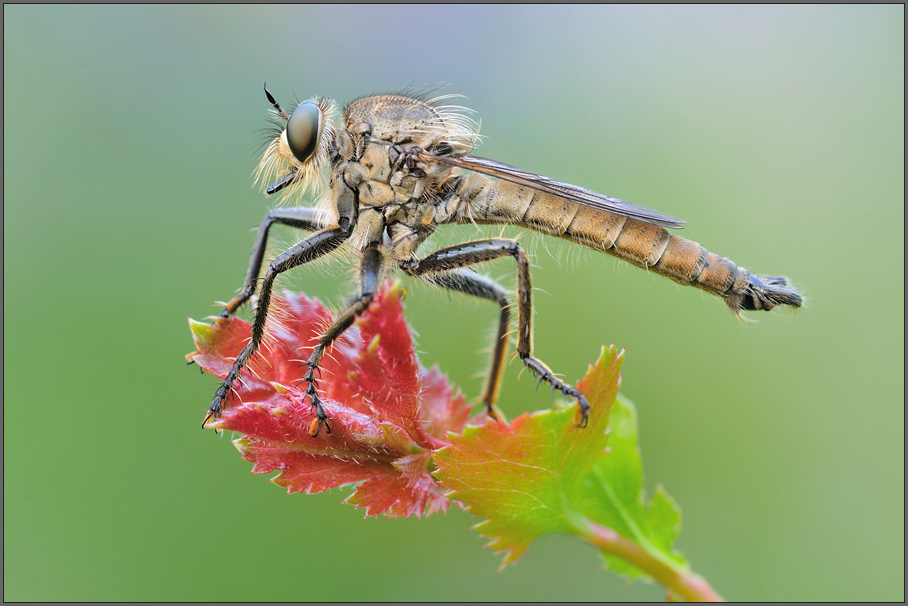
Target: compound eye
302 130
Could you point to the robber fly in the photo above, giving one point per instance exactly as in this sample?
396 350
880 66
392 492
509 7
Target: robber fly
389 169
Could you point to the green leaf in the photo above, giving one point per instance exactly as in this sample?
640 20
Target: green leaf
665 521
524 476
615 496
543 474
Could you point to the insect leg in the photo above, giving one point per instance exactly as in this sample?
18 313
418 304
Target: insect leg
370 277
471 283
300 218
471 253
309 249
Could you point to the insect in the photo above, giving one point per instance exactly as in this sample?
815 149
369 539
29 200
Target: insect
389 169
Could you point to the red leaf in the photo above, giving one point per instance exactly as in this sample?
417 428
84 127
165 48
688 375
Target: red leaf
387 414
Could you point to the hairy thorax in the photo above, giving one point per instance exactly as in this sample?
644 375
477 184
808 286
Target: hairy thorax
398 196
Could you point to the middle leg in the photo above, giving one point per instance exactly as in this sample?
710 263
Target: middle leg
471 253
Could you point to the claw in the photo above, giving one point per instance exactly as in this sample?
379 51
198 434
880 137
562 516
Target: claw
315 427
321 418
217 404
584 412
495 413
542 373
207 418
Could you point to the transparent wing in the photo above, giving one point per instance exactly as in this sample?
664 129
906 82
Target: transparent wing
577 194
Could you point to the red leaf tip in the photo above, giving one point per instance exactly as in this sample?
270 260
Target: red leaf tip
386 413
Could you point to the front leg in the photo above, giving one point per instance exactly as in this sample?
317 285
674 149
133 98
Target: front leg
471 253
370 278
309 249
300 218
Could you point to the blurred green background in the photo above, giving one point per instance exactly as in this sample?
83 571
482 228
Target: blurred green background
776 132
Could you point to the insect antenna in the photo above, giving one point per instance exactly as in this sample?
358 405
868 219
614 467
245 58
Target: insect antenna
274 103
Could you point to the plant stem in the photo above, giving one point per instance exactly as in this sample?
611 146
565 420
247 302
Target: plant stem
677 578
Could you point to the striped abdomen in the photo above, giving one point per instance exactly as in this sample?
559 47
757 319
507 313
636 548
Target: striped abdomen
483 200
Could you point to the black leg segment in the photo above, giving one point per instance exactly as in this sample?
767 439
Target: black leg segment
308 250
471 253
300 218
470 283
370 278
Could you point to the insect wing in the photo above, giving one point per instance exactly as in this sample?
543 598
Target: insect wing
577 194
